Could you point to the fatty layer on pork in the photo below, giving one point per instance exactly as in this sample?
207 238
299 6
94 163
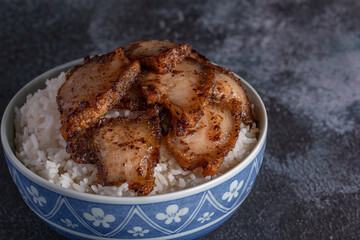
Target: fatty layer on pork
127 150
184 91
91 89
228 88
206 144
158 55
215 134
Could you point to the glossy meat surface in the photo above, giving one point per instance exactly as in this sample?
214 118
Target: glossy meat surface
92 88
206 144
228 89
128 150
184 91
158 55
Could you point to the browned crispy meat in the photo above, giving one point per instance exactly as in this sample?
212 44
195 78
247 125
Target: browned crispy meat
199 57
91 89
228 89
80 148
158 55
128 150
184 91
206 144
180 95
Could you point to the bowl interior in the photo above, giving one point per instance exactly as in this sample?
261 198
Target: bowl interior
7 122
7 138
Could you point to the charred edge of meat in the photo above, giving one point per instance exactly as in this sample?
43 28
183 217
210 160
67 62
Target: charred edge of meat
75 124
212 161
245 111
145 189
78 145
204 89
166 61
141 188
162 61
151 115
79 150
200 58
246 116
74 69
129 49
210 168
189 118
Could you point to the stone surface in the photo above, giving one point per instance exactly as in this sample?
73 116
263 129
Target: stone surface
303 57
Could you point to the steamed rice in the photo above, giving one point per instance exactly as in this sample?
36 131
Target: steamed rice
40 146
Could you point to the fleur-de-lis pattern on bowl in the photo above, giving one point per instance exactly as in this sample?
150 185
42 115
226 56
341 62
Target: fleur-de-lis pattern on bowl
206 217
35 196
137 221
138 231
98 217
68 223
233 193
172 214
210 207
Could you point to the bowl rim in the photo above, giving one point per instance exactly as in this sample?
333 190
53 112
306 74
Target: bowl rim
89 197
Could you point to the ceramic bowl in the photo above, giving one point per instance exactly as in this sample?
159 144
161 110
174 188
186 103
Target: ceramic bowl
185 214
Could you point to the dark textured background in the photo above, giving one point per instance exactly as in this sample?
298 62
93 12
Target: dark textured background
303 57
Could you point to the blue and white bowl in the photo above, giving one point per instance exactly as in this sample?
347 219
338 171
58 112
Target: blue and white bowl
185 214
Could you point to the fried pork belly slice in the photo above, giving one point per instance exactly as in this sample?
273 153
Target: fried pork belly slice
92 88
184 91
206 144
158 55
127 151
228 88
80 146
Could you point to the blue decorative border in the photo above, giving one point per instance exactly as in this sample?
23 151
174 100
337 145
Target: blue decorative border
176 218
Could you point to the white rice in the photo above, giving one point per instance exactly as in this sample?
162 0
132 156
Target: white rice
41 148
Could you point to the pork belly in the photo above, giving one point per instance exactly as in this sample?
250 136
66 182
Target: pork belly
158 55
92 88
127 150
206 144
185 91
